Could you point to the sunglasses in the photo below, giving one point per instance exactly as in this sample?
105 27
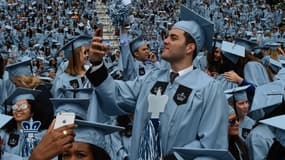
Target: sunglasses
232 122
21 106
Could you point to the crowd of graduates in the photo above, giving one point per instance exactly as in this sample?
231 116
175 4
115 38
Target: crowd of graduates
190 79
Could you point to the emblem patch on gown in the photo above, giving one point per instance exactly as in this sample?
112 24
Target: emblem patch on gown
74 83
141 71
245 132
13 140
181 95
159 85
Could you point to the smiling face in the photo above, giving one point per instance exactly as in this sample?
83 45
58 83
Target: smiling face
24 113
233 124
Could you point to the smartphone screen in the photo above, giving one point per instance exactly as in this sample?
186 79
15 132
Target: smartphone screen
64 118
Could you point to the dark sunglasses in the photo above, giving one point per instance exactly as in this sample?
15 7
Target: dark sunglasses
232 122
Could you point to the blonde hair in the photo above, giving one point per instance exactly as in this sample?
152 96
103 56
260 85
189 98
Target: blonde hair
74 67
26 81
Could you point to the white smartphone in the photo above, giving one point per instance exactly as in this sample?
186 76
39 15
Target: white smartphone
64 118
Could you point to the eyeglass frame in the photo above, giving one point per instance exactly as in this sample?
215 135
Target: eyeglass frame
21 106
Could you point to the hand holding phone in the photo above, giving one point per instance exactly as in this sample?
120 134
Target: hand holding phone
64 118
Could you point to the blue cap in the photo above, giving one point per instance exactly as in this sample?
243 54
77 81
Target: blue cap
22 94
277 122
79 106
20 68
218 43
93 132
232 51
239 93
273 64
268 95
136 43
192 153
81 40
4 119
198 27
273 45
248 45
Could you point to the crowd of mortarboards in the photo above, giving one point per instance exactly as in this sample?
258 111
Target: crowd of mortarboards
42 72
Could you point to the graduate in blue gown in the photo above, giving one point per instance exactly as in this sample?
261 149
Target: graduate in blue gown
187 104
242 105
74 75
135 59
73 83
22 103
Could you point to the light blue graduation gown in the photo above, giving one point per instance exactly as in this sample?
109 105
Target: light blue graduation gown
225 83
190 124
255 73
18 149
245 126
259 142
133 68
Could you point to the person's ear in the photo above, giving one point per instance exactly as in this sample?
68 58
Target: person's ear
190 48
135 54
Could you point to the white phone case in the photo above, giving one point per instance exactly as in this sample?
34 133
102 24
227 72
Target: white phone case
64 118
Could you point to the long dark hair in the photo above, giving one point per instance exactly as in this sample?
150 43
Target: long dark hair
12 125
37 116
242 149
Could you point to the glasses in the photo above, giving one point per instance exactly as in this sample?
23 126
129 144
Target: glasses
232 122
21 106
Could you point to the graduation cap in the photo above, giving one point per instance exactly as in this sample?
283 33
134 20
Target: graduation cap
192 153
136 43
268 95
93 132
239 93
217 43
81 40
248 45
198 27
275 65
277 122
20 68
272 63
232 51
4 119
273 45
79 106
22 94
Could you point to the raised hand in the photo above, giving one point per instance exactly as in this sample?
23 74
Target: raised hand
97 49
